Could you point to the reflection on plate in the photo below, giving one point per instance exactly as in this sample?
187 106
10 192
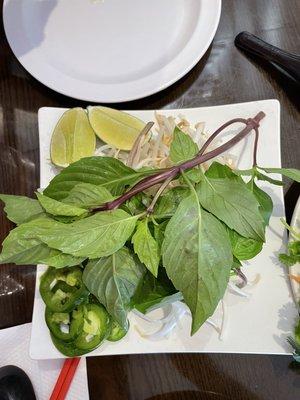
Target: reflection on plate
112 50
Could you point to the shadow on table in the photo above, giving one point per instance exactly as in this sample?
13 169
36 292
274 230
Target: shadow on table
190 395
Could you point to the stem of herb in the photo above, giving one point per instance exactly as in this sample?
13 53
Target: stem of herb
158 193
255 147
251 123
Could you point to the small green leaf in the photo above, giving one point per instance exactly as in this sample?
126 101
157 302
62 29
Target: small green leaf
218 170
154 292
87 195
265 201
96 236
55 207
197 258
194 175
246 172
291 173
233 203
159 233
146 247
183 147
244 248
101 171
20 209
168 202
22 247
114 280
263 177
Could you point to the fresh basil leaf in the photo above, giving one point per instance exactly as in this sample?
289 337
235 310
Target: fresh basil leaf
87 195
20 209
265 201
263 177
102 171
197 256
159 233
22 247
218 170
244 248
195 175
137 204
154 292
168 202
291 173
114 280
55 207
234 204
246 172
183 147
96 236
146 247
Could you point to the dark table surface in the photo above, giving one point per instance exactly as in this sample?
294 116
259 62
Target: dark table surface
223 76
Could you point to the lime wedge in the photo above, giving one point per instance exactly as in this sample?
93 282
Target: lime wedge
72 138
114 127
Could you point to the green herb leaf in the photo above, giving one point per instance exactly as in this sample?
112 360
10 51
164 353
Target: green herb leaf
87 195
154 292
244 248
22 247
159 233
102 171
114 280
262 177
97 236
218 170
197 256
234 204
20 209
168 202
183 147
246 172
194 175
55 207
291 173
137 204
265 201
146 247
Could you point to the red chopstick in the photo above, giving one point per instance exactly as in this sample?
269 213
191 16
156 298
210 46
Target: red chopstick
64 379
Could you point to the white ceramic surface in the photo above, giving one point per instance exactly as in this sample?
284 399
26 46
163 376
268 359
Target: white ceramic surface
259 324
109 50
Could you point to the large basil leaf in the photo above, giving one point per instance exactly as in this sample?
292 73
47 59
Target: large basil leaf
22 247
103 171
154 292
183 147
20 209
88 195
55 207
234 204
291 173
97 236
146 247
197 256
114 280
265 201
244 248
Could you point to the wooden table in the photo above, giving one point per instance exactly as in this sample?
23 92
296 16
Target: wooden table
224 75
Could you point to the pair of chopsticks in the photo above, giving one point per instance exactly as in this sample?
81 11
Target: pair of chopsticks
65 378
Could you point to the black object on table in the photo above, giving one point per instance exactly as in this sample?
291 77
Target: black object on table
15 384
287 62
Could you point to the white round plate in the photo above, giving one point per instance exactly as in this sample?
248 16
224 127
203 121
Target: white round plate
109 50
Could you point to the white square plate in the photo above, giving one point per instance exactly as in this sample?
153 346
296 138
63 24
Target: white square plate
258 324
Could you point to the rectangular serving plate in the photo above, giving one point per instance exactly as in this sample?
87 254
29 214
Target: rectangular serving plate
255 325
